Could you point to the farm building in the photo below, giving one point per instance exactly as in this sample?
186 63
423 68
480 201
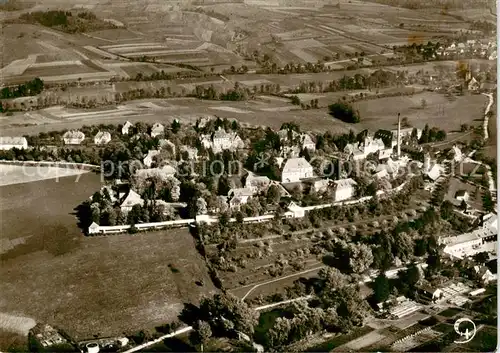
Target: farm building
7 142
148 160
126 128
344 189
47 336
157 130
73 137
296 169
462 245
130 201
429 294
102 138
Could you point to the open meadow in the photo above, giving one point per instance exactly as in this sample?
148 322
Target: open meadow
438 110
90 285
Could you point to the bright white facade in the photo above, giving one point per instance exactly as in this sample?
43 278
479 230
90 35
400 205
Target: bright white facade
148 160
296 169
130 201
126 128
102 138
344 189
73 137
7 143
157 129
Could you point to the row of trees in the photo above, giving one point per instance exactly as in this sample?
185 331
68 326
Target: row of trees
30 88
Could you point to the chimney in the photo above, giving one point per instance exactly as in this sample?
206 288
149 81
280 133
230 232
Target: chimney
399 135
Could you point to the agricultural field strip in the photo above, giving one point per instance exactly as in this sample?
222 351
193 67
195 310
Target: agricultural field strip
87 76
56 63
18 324
101 52
111 47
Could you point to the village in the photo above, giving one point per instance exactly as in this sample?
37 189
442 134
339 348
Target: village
217 175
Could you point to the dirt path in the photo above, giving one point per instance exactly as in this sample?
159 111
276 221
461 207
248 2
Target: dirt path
486 118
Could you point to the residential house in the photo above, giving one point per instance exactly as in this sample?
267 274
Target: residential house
222 140
473 85
130 201
492 55
7 142
344 189
238 197
257 183
126 128
484 274
148 160
308 143
157 130
295 211
73 137
102 138
462 195
296 169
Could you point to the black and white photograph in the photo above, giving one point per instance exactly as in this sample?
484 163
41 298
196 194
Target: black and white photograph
248 176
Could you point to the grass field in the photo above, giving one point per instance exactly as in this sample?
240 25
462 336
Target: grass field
438 111
102 285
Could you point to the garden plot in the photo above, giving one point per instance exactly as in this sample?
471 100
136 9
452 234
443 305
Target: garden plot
364 341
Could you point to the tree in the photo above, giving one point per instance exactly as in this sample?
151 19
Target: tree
273 194
360 257
225 312
446 210
481 257
423 103
176 126
201 334
345 112
381 288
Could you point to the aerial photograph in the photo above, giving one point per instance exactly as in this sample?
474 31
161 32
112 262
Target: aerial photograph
248 176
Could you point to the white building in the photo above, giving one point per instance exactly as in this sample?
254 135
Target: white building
157 130
359 151
102 138
222 140
462 195
308 143
7 142
344 189
296 169
239 197
148 160
73 137
257 183
126 128
130 201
